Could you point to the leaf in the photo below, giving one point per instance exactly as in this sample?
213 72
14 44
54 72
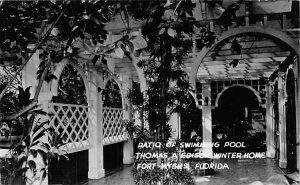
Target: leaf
236 47
119 52
95 59
111 64
55 32
75 27
37 137
26 97
171 32
19 165
214 56
139 42
168 3
50 77
130 46
33 153
39 111
38 127
234 63
169 14
34 143
31 165
161 31
44 174
45 146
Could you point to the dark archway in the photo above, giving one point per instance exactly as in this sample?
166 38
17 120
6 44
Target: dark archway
71 90
291 136
239 118
112 95
112 153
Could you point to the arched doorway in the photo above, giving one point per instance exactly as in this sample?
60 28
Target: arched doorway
291 136
71 93
239 118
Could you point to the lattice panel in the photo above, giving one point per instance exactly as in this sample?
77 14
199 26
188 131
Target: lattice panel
113 127
71 121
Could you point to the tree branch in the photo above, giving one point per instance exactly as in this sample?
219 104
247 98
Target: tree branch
41 81
32 53
36 95
21 112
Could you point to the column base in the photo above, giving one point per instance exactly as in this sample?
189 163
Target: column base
96 174
207 152
128 160
270 152
128 155
282 163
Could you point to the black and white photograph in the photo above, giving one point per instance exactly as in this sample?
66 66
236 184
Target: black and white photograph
149 92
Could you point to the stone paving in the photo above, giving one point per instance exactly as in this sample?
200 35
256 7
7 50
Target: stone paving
240 172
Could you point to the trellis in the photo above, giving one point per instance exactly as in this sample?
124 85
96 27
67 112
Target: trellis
71 121
113 126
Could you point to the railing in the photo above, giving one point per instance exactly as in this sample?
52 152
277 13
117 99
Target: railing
113 126
71 121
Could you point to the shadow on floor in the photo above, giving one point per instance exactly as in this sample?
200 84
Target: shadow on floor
240 172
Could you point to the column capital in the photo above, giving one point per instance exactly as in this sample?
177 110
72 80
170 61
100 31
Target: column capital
203 82
281 74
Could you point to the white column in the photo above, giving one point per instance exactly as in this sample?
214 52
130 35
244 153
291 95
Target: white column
174 122
206 118
128 153
96 164
29 79
29 73
282 121
270 123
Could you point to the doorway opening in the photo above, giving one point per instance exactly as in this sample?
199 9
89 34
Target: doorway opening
291 136
239 118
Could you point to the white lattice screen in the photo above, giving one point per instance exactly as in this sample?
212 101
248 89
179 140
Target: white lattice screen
71 121
113 127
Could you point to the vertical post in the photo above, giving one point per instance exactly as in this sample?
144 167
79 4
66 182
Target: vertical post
270 123
265 20
297 99
175 125
247 14
211 26
282 122
283 22
207 119
29 73
29 79
128 153
96 163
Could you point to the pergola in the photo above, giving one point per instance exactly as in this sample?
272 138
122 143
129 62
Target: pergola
269 50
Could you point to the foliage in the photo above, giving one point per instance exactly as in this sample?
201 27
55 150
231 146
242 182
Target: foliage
11 103
31 146
23 156
71 88
168 33
112 95
62 29
152 176
25 22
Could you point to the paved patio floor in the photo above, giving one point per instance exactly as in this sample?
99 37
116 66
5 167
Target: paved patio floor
240 172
